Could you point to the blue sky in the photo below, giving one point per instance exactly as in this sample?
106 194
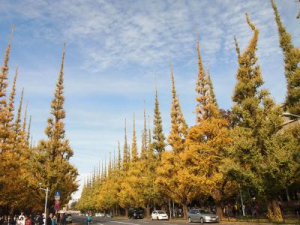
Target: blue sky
114 48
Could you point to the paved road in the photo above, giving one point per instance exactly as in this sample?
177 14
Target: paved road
81 220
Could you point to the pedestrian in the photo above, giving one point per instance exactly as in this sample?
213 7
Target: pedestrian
10 220
57 218
28 220
88 219
21 219
49 219
32 219
5 220
64 219
54 220
1 220
15 219
235 209
256 210
40 219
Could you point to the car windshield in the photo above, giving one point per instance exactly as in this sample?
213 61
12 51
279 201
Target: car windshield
203 211
161 212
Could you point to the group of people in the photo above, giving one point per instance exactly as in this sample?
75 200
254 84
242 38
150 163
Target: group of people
233 210
55 219
21 219
52 219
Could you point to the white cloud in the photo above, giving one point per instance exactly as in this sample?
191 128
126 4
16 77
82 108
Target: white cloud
150 32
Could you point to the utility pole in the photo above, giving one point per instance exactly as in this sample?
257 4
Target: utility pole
46 200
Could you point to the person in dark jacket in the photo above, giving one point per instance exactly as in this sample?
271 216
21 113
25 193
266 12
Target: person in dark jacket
1 220
11 220
40 220
49 219
64 219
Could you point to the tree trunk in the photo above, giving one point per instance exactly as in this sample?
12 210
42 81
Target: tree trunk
219 211
126 212
148 210
274 206
185 211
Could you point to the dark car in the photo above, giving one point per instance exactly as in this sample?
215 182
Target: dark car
202 216
69 218
136 213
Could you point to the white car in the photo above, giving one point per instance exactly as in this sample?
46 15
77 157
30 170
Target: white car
159 215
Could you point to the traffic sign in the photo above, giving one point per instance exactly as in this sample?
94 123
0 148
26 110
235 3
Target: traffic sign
57 195
56 207
57 202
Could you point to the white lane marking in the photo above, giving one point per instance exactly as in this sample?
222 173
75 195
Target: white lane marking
126 223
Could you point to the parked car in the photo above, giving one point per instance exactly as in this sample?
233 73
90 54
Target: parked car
135 213
109 215
69 218
99 214
202 216
159 215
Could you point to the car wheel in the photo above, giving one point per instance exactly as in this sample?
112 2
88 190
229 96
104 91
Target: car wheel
190 220
201 220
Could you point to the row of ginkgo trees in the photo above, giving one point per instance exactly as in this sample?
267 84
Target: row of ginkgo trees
224 152
24 168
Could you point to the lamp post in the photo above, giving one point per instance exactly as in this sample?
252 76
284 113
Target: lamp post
242 202
46 199
290 115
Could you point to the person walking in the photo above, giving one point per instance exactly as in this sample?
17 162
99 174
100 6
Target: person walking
88 219
63 219
21 219
49 219
54 220
28 220
1 220
40 219
5 220
11 220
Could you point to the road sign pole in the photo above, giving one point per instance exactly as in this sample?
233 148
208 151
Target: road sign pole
47 189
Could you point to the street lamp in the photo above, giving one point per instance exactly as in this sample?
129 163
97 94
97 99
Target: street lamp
242 202
46 199
290 115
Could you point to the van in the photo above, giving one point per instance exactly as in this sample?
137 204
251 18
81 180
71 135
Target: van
136 213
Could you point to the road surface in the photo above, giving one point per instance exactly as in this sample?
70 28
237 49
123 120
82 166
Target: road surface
81 220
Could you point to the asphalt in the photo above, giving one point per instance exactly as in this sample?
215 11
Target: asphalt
81 220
